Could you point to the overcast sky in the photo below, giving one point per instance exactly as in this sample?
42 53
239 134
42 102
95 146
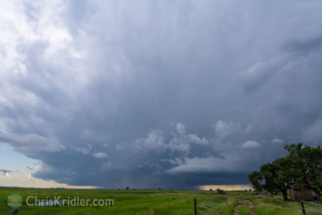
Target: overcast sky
147 94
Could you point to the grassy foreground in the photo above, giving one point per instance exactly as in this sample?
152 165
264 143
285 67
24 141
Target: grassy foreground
146 202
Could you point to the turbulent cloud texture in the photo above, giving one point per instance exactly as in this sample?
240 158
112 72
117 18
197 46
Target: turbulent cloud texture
146 94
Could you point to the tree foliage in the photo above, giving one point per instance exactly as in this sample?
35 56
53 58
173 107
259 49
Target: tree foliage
302 167
306 166
270 178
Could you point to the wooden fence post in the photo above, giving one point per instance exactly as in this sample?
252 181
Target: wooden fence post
195 205
303 209
14 211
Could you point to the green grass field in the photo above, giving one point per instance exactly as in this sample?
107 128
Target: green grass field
148 202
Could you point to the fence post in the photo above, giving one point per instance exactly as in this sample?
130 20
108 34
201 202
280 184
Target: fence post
195 204
303 209
14 211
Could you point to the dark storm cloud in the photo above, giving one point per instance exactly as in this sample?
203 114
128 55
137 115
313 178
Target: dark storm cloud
172 94
313 45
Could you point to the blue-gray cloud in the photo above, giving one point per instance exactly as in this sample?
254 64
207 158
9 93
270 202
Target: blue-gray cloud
149 94
5 171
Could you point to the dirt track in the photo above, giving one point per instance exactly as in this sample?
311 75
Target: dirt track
251 206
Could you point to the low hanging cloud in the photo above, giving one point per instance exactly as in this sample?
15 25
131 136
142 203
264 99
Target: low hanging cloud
181 128
144 93
4 172
157 141
154 140
100 155
31 142
250 144
225 129
112 166
276 140
205 165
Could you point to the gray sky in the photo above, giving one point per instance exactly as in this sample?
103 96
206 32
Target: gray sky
149 94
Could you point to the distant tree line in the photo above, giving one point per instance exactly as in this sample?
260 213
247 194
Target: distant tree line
301 168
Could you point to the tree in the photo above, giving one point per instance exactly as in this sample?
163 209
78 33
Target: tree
306 166
272 177
302 167
256 178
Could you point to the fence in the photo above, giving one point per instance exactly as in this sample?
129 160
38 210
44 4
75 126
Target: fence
205 208
305 209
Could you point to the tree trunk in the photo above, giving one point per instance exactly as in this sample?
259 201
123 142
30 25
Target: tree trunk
284 192
309 184
316 191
